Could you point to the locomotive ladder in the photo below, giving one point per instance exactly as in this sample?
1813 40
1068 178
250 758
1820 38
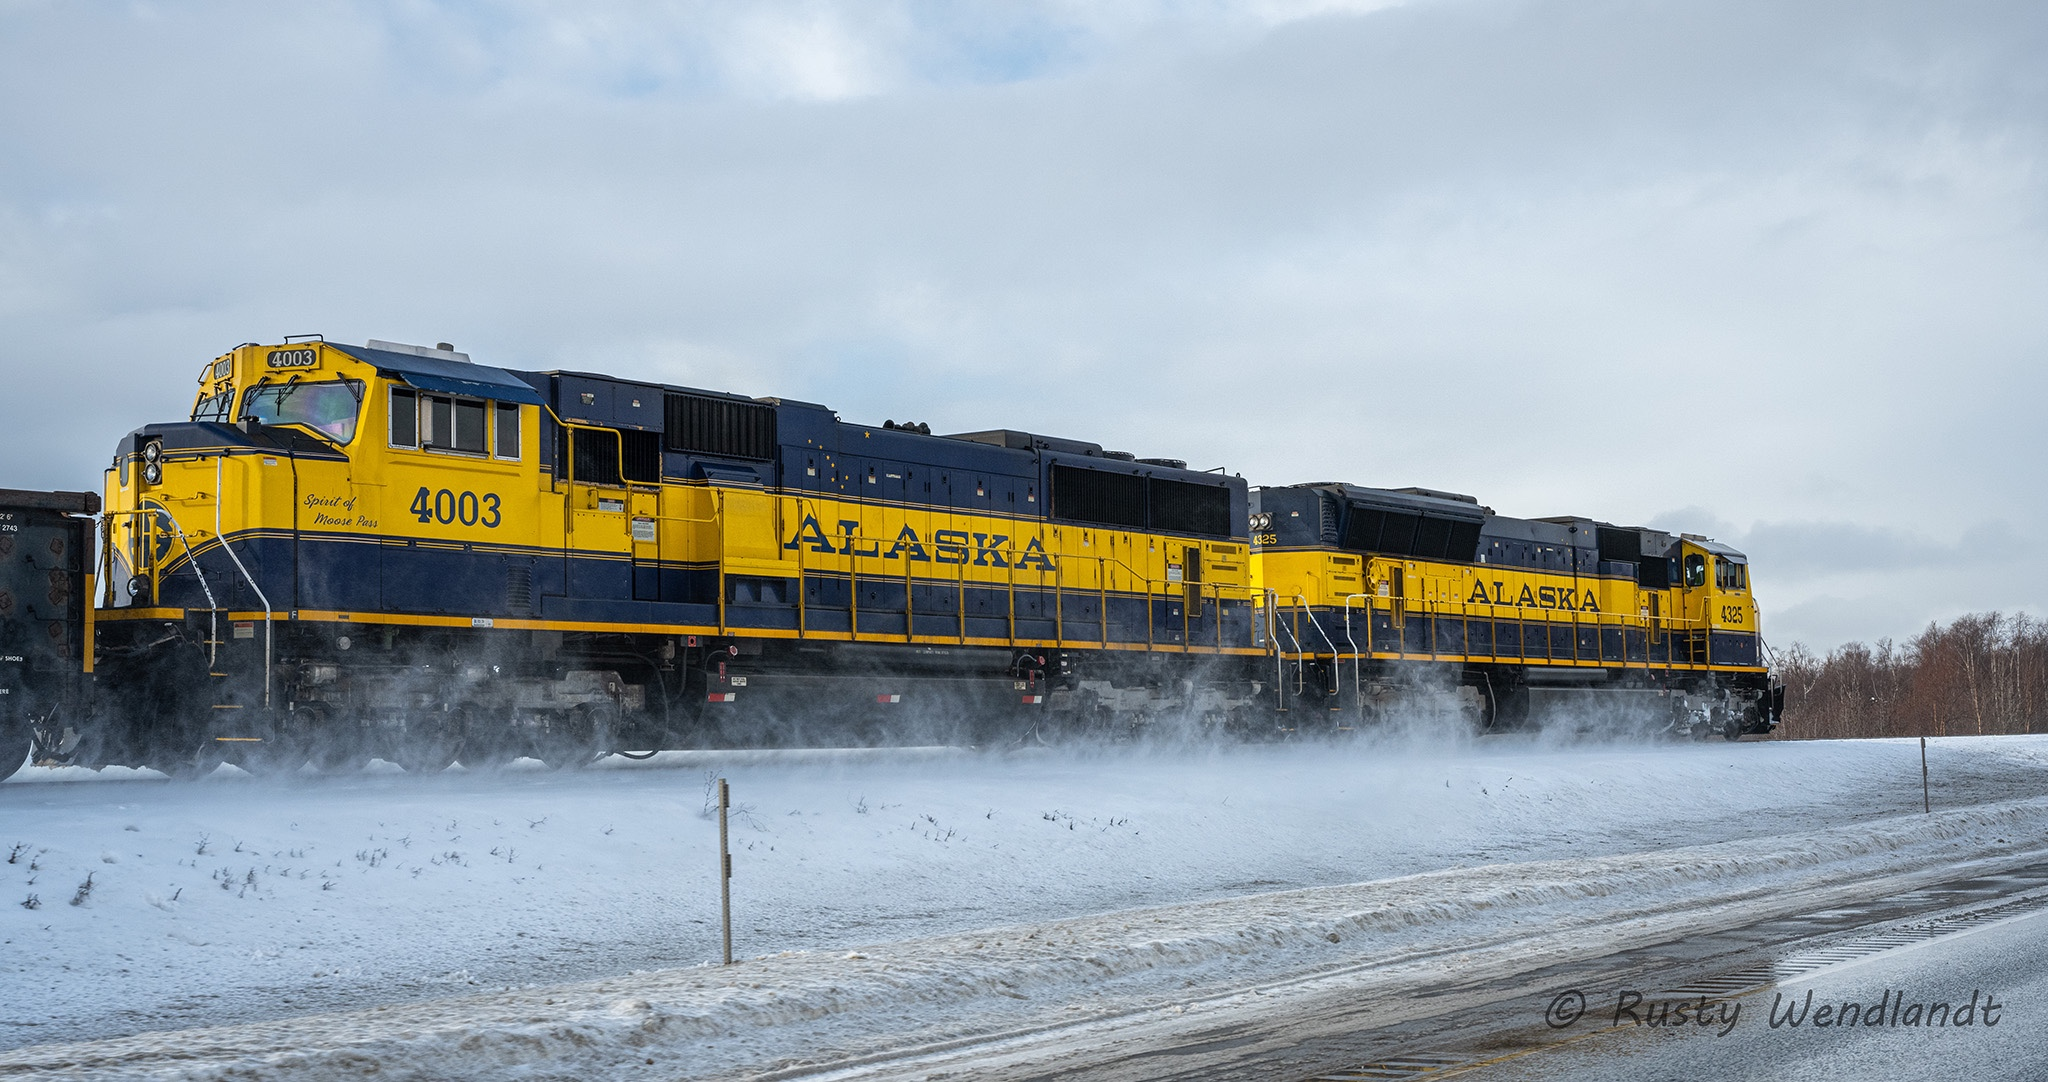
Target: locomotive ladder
269 617
1336 671
105 530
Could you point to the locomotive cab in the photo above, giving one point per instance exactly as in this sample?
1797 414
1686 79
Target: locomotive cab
316 443
265 421
295 496
1715 582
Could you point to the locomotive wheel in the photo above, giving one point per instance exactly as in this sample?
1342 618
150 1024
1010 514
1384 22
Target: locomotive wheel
487 742
334 743
186 762
284 752
574 738
430 743
1047 730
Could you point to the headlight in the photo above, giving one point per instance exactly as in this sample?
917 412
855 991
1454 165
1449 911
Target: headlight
152 472
152 451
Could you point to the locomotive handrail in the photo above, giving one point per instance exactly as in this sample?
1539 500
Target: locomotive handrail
1105 568
619 447
213 606
1153 591
1101 603
1301 605
802 589
1299 653
718 516
1357 681
1103 563
1666 624
269 617
1272 607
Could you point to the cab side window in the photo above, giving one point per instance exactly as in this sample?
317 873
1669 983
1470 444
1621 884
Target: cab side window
1695 571
506 432
454 424
446 423
405 417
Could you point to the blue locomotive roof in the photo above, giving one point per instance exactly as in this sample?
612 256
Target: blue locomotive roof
1417 500
1027 441
448 377
1719 549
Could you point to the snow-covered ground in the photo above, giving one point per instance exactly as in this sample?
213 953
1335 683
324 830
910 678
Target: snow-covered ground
235 900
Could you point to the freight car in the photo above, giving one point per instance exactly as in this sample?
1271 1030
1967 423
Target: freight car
389 550
46 654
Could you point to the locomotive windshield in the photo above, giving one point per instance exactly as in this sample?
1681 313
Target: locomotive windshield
327 408
214 407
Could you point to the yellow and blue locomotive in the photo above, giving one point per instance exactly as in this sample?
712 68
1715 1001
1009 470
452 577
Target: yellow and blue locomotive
1382 595
390 550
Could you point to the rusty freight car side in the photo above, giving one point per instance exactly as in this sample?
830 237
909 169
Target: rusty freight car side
46 614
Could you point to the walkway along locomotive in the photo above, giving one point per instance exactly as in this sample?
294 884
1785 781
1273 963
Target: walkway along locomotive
389 550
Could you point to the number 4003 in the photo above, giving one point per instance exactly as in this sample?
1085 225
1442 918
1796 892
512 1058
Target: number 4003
447 507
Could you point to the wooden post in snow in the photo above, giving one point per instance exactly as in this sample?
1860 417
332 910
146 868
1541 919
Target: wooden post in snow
725 870
1926 803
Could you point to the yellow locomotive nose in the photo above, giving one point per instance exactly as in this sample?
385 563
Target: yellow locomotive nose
175 490
200 531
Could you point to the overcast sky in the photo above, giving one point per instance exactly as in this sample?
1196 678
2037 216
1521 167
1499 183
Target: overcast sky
1775 272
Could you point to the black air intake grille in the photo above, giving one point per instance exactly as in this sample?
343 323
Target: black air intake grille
642 456
1111 499
597 455
1181 507
1397 533
519 589
1121 499
720 426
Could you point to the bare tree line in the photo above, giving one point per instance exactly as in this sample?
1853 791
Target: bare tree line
1984 673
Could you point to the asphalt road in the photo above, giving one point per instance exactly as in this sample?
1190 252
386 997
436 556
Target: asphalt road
1993 981
1939 943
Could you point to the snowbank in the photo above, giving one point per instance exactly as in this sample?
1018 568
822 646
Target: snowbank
782 1010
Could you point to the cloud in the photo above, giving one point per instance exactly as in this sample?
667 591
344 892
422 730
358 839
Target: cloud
1830 582
1819 549
1781 263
